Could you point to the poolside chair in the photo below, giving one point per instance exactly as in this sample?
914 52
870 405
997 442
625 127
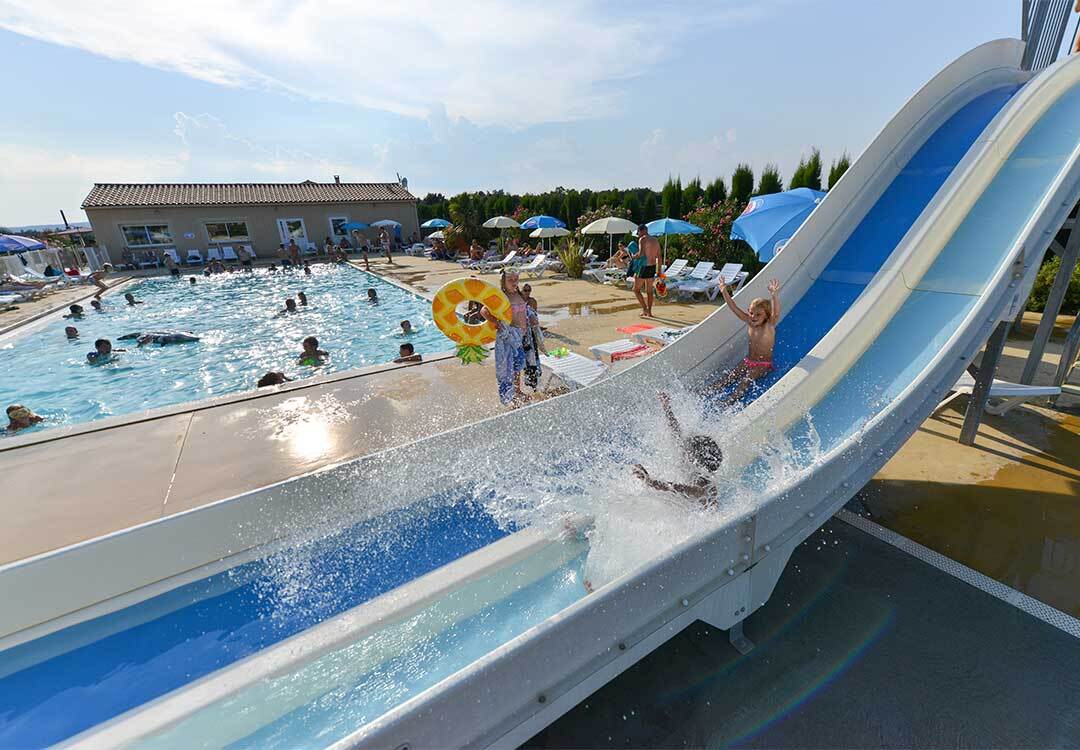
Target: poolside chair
700 280
661 336
194 257
573 369
489 266
1006 395
417 248
537 267
733 275
213 253
676 270
251 251
311 249
171 252
613 349
227 253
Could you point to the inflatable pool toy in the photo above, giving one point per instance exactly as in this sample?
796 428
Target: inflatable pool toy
660 287
470 337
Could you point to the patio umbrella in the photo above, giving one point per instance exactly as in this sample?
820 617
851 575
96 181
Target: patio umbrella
668 226
542 222
349 226
501 223
16 243
437 235
768 221
386 223
435 224
544 232
611 226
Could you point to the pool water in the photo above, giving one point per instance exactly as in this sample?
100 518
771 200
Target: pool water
242 337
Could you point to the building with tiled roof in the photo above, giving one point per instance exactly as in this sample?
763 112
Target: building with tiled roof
143 220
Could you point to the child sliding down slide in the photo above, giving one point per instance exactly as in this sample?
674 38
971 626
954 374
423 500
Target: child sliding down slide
761 318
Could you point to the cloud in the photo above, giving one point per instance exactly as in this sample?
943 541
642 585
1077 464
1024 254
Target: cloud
487 61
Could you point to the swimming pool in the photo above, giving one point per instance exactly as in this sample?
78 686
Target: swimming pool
242 337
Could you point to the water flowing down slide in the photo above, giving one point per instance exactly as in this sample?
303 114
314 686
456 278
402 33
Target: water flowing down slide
467 589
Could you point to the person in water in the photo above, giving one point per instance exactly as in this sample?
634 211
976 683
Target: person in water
131 299
307 268
407 354
96 304
700 450
312 354
406 328
290 306
75 312
761 318
509 341
71 332
161 338
192 280
273 378
19 418
372 295
302 298
103 352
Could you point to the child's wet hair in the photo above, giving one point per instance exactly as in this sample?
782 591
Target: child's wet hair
705 452
763 303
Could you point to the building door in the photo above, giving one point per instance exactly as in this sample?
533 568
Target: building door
293 229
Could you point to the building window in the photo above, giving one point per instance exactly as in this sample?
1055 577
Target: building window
146 235
335 225
227 231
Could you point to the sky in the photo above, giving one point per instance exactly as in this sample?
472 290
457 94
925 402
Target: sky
454 96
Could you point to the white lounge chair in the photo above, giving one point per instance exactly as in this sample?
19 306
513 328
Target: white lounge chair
417 248
537 267
573 369
227 253
700 281
251 251
489 266
676 270
611 348
604 275
194 257
662 336
171 252
733 275
1006 395
214 253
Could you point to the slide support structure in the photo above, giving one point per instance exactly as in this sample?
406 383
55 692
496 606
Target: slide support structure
984 377
1069 255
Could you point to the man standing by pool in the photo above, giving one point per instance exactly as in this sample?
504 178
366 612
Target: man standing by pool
649 251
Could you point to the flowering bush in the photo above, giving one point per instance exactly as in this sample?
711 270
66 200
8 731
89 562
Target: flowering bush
713 243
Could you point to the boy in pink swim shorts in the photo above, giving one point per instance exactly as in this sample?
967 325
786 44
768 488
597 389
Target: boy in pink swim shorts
761 318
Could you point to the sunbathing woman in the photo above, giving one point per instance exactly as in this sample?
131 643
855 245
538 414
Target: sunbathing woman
761 318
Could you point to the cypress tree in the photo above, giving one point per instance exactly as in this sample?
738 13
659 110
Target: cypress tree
839 166
770 181
716 191
742 183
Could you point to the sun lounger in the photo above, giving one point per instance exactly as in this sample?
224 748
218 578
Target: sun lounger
612 349
1005 394
417 248
676 270
214 253
489 266
604 275
194 257
662 336
573 369
227 253
251 251
537 267
701 280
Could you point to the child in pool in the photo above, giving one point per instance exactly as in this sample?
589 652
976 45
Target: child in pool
761 318
700 450
312 354
103 352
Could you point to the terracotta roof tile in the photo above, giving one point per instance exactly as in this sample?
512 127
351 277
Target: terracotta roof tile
125 195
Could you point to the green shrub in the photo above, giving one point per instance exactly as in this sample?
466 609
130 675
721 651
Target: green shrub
742 184
570 255
770 181
1045 279
836 171
808 173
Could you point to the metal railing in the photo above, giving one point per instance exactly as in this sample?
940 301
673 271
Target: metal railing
1043 27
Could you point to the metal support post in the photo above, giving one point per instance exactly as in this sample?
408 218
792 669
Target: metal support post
1068 357
1053 306
983 380
741 643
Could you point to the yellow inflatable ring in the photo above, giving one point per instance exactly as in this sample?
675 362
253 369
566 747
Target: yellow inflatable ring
470 337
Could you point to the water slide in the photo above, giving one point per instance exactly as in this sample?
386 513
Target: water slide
467 589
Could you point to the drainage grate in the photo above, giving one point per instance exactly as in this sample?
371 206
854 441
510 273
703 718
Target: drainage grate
1034 607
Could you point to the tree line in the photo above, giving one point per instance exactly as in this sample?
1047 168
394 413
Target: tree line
639 204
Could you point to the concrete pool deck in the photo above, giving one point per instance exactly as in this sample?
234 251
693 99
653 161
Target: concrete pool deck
72 484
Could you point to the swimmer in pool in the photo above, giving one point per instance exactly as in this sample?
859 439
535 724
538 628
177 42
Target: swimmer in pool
103 352
372 296
131 299
700 450
75 312
406 328
272 378
312 354
192 280
302 298
161 338
19 418
96 304
290 307
407 354
71 332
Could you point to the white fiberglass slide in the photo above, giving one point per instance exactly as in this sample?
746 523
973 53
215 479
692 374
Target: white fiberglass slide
889 288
